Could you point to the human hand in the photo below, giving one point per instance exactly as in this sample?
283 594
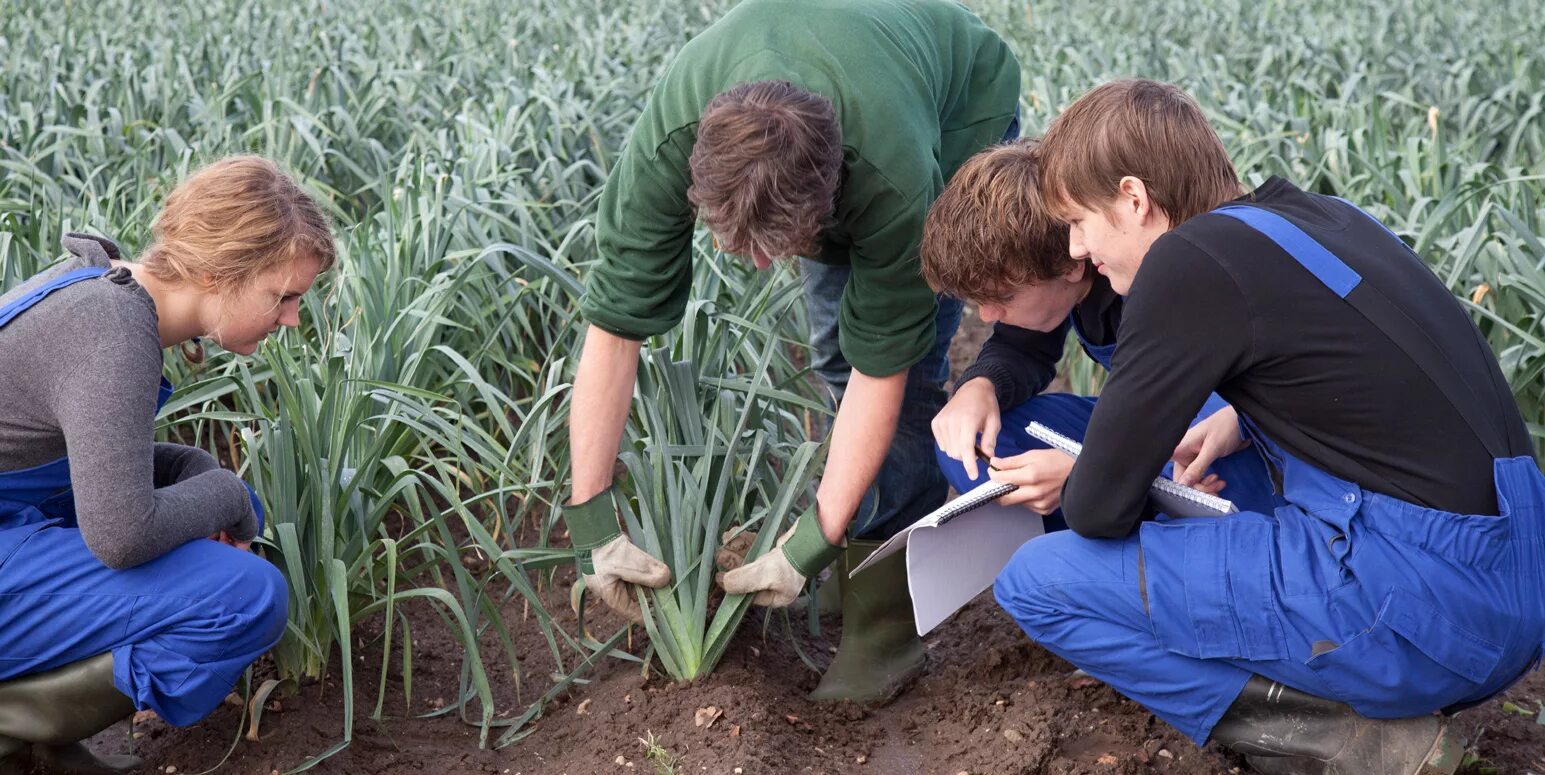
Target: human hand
1209 440
971 413
1039 474
225 538
776 577
619 565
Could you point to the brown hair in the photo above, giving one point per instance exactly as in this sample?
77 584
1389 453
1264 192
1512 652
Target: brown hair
1149 130
233 220
766 168
989 232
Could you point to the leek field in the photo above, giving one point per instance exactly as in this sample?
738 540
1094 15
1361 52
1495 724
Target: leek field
409 440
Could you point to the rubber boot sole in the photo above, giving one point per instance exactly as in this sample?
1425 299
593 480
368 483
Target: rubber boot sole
77 759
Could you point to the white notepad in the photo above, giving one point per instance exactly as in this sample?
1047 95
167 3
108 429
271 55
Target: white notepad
957 550
1169 496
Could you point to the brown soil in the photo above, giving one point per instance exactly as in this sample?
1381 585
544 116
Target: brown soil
990 702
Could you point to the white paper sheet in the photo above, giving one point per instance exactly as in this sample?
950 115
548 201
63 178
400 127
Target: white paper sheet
948 565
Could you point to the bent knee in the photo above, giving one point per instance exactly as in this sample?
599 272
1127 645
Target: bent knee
258 593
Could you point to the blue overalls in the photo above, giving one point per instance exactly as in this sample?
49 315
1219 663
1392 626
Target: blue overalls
1247 481
1395 609
181 627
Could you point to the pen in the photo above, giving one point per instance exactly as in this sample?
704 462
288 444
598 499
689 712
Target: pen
986 458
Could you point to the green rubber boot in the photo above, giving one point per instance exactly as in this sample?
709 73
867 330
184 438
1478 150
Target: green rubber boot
44 717
880 653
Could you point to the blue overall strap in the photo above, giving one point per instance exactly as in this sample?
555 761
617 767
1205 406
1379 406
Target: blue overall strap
32 297
1101 353
1379 311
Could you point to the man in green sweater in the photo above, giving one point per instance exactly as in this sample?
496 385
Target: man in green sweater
815 129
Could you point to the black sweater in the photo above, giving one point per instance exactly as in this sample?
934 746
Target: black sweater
1218 306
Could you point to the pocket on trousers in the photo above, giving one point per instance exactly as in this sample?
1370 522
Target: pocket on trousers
1413 660
1210 587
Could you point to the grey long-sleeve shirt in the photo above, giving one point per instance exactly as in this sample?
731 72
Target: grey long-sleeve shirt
78 377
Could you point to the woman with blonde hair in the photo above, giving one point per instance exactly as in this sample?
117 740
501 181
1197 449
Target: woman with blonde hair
125 577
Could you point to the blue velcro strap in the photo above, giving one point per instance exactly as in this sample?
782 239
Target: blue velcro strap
1313 256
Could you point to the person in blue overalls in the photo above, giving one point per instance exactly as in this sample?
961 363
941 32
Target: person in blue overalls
989 240
125 577
1398 575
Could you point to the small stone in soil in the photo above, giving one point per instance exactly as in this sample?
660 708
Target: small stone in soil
584 708
1164 752
1013 736
863 758
620 760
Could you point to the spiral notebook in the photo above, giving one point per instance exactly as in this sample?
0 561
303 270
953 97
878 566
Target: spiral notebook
1168 496
956 551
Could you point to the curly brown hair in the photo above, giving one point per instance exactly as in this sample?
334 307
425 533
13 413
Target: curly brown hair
989 232
766 168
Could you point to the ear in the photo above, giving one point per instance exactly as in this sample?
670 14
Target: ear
1132 197
1077 273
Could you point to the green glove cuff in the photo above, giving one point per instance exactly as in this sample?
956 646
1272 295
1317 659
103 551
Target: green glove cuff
592 524
807 549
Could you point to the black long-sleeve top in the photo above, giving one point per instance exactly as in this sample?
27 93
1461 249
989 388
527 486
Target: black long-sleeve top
1218 306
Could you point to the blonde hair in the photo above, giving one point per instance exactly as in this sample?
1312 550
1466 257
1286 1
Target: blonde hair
233 220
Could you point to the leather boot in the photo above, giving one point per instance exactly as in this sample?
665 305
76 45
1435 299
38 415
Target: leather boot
1285 731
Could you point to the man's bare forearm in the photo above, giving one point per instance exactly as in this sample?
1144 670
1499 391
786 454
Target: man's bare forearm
603 390
861 435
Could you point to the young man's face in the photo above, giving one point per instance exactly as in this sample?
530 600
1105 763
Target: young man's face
1040 307
1116 237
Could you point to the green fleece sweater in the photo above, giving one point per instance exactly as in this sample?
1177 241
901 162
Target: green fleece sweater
918 86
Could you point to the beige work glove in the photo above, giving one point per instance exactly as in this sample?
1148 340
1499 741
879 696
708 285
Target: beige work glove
733 548
776 577
618 566
610 563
